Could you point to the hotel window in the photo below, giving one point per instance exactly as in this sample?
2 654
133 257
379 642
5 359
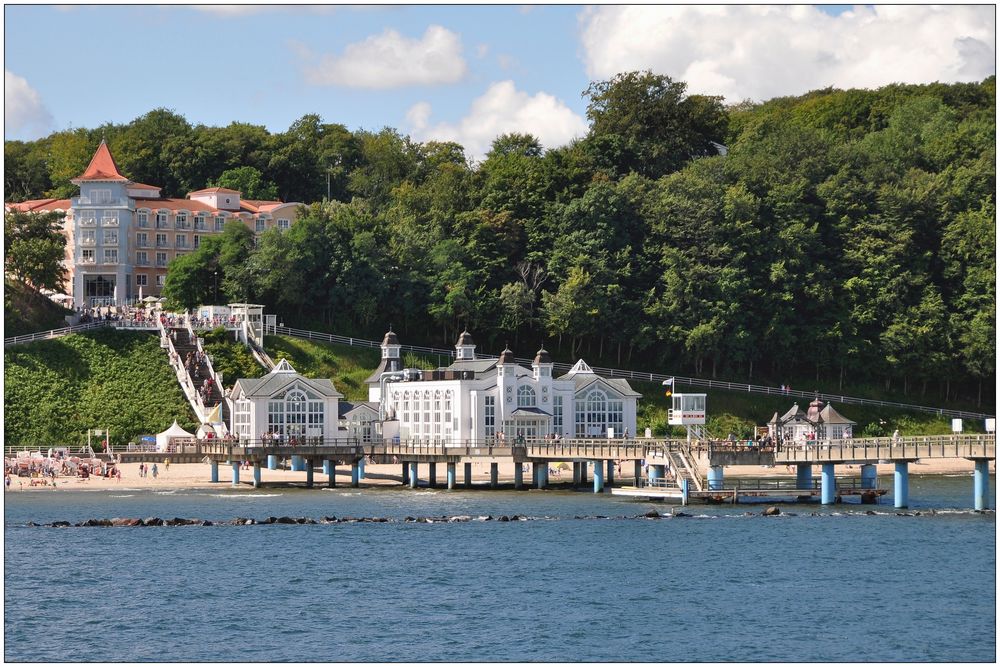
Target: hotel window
110 237
220 222
182 220
111 255
160 279
88 237
283 224
161 240
525 397
182 240
88 218
142 240
142 258
141 280
143 218
87 256
100 196
259 225
109 218
161 259
161 221
490 417
197 241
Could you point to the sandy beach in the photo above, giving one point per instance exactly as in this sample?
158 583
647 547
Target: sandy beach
198 475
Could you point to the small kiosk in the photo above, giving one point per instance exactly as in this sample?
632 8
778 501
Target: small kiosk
688 410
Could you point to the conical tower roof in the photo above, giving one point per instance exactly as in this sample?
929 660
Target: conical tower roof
102 167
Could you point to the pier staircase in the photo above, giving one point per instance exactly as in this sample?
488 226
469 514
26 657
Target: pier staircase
183 345
680 464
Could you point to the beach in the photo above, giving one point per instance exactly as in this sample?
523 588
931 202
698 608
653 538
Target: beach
198 475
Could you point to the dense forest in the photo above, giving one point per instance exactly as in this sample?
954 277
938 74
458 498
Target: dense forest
845 234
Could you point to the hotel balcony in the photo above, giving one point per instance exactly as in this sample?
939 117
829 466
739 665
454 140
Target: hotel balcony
160 264
90 201
142 262
88 242
88 222
109 222
87 260
163 225
143 244
163 244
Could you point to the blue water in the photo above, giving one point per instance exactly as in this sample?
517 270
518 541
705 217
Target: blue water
839 585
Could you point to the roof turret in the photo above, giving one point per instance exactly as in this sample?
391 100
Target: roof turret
506 357
102 167
465 338
542 357
390 338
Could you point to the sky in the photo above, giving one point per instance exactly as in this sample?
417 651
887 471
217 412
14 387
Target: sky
464 73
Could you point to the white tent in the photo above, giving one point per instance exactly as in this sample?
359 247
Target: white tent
175 431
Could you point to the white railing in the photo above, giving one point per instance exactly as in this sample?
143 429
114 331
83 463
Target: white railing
212 373
88 222
98 201
109 222
181 372
88 241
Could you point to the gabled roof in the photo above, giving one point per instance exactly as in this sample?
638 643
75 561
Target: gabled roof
346 408
579 367
585 380
794 412
278 380
537 412
102 167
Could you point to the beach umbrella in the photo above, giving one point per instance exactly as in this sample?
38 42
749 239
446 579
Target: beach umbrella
562 466
150 299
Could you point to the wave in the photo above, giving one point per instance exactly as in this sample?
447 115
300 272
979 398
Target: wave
130 495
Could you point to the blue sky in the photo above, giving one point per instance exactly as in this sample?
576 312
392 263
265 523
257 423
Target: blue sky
463 73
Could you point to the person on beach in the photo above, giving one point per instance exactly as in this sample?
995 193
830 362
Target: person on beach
154 471
6 481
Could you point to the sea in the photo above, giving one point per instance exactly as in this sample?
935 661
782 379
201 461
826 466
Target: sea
586 578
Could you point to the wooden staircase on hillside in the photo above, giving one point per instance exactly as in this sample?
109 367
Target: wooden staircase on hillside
183 345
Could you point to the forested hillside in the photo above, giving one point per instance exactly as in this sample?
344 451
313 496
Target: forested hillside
844 235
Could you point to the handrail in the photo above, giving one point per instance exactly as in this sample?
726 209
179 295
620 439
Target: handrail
651 377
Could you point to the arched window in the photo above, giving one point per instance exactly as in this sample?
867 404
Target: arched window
596 412
525 396
298 413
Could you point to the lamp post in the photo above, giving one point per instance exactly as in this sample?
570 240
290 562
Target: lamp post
215 276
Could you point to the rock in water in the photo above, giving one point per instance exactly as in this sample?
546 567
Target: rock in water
651 514
771 511
153 521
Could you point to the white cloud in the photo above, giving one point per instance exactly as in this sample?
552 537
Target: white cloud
501 109
391 60
24 113
759 52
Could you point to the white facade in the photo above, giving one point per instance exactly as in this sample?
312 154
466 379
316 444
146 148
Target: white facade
493 399
284 405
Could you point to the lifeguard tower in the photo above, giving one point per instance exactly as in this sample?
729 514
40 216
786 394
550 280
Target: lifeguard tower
688 410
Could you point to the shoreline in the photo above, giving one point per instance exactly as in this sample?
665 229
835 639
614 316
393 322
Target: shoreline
198 476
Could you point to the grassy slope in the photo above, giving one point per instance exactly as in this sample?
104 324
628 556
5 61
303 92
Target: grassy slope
121 380
728 410
26 311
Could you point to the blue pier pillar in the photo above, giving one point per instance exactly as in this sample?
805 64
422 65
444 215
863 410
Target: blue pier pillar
236 473
715 478
656 472
611 474
494 474
545 473
583 472
331 468
982 484
598 477
355 474
413 474
468 475
518 475
215 471
869 476
828 485
256 475
450 474
272 462
685 492
803 476
326 467
432 475
309 474
361 468
576 473
537 473
901 492
406 474
298 464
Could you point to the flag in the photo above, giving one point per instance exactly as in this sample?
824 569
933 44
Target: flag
669 384
213 416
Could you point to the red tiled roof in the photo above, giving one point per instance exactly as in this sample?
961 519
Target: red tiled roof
40 205
214 190
174 204
143 186
102 167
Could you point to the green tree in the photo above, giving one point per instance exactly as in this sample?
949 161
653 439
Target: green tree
34 247
249 182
